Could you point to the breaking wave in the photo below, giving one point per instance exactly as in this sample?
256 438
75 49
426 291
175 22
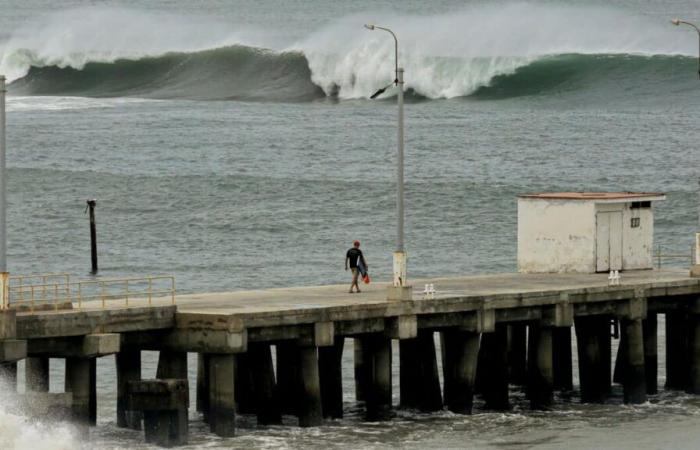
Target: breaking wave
497 51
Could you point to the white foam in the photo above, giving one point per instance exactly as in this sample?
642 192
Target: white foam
19 432
60 103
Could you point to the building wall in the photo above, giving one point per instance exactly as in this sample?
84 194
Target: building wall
556 236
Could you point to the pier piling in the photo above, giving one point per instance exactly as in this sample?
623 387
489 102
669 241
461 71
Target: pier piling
634 378
128 369
81 381
591 344
492 369
694 354
222 401
540 387
562 376
288 378
310 413
651 359
263 373
172 364
36 371
164 405
517 354
677 367
376 349
202 404
331 377
460 355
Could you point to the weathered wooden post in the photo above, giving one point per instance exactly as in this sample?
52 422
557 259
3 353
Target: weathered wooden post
93 234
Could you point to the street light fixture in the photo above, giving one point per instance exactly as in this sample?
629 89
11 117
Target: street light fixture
679 22
399 290
695 268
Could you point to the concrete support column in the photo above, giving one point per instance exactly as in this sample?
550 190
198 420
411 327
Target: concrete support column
694 354
310 413
492 370
172 364
651 359
203 385
377 356
634 378
81 381
561 359
677 367
361 379
517 353
288 378
410 368
331 377
37 374
603 329
128 369
245 385
540 387
263 371
592 368
460 355
222 401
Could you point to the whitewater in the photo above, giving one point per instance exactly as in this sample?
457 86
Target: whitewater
119 52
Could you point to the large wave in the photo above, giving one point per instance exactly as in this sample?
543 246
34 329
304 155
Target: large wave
496 51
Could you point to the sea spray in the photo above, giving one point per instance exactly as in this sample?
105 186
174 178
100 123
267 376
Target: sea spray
20 431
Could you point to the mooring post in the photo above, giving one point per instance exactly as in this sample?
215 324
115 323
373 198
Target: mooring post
492 370
677 369
517 353
222 401
93 234
128 369
81 381
460 355
540 387
331 377
561 359
634 384
261 367
310 413
376 350
36 370
651 359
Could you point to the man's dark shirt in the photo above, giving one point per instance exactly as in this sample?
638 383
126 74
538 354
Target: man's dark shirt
353 254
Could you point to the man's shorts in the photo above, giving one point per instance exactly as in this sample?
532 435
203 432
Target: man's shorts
354 271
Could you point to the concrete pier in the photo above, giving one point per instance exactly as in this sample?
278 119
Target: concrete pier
36 370
481 322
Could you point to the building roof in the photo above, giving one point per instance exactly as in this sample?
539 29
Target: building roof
614 196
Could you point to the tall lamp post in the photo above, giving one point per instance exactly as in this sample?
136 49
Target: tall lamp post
695 268
399 289
4 276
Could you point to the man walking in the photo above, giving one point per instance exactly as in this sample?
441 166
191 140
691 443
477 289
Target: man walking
357 261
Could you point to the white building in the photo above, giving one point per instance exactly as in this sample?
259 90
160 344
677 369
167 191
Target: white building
585 232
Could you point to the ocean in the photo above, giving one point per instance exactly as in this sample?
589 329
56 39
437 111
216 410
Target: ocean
233 145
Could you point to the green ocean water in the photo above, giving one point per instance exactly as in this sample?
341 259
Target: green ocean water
233 145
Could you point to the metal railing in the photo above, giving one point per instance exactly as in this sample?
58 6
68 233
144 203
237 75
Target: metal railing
56 291
660 257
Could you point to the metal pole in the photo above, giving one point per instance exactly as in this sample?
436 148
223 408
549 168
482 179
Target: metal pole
400 172
3 180
93 235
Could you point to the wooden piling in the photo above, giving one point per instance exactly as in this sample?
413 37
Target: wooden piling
128 369
540 386
310 413
331 377
517 354
261 367
37 374
561 359
222 401
460 355
677 364
493 369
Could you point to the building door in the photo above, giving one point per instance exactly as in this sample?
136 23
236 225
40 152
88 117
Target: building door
608 241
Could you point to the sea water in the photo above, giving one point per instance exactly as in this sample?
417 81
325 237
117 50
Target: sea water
234 146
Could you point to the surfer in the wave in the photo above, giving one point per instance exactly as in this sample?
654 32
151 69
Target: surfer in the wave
357 264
